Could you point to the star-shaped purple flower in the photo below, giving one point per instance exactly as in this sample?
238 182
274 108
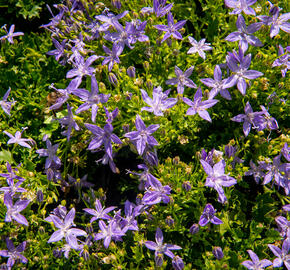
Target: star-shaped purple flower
159 103
91 99
142 137
241 72
244 34
217 84
283 60
13 253
198 106
216 178
182 79
161 248
283 256
65 229
208 215
256 263
249 118
6 105
10 35
199 47
100 212
172 28
241 6
17 139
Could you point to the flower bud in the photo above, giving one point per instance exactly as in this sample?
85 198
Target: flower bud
113 79
116 4
218 252
39 196
146 65
177 263
159 259
194 229
186 185
169 221
131 72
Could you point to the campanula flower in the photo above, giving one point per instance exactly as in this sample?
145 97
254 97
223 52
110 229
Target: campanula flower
172 28
283 60
142 137
6 105
159 103
161 248
10 35
198 106
208 215
17 139
13 254
283 256
199 47
182 79
241 6
256 263
100 212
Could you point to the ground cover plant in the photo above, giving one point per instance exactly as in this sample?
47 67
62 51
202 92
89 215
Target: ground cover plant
144 134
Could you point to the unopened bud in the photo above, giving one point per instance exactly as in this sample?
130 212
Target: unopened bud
194 229
186 185
113 79
116 4
131 72
218 252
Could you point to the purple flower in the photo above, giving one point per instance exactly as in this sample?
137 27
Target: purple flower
122 37
131 71
216 178
111 115
241 72
241 6
82 68
194 229
13 187
159 7
266 121
182 79
11 175
131 211
244 34
103 137
65 229
285 151
69 122
91 99
256 263
80 182
50 153
17 139
159 103
100 212
13 253
283 256
198 106
10 35
283 226
256 171
208 215
109 20
156 193
6 105
13 211
283 60
63 94
59 51
113 55
276 171
286 208
171 29
199 47
161 248
249 118
141 138
110 232
277 22
217 85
